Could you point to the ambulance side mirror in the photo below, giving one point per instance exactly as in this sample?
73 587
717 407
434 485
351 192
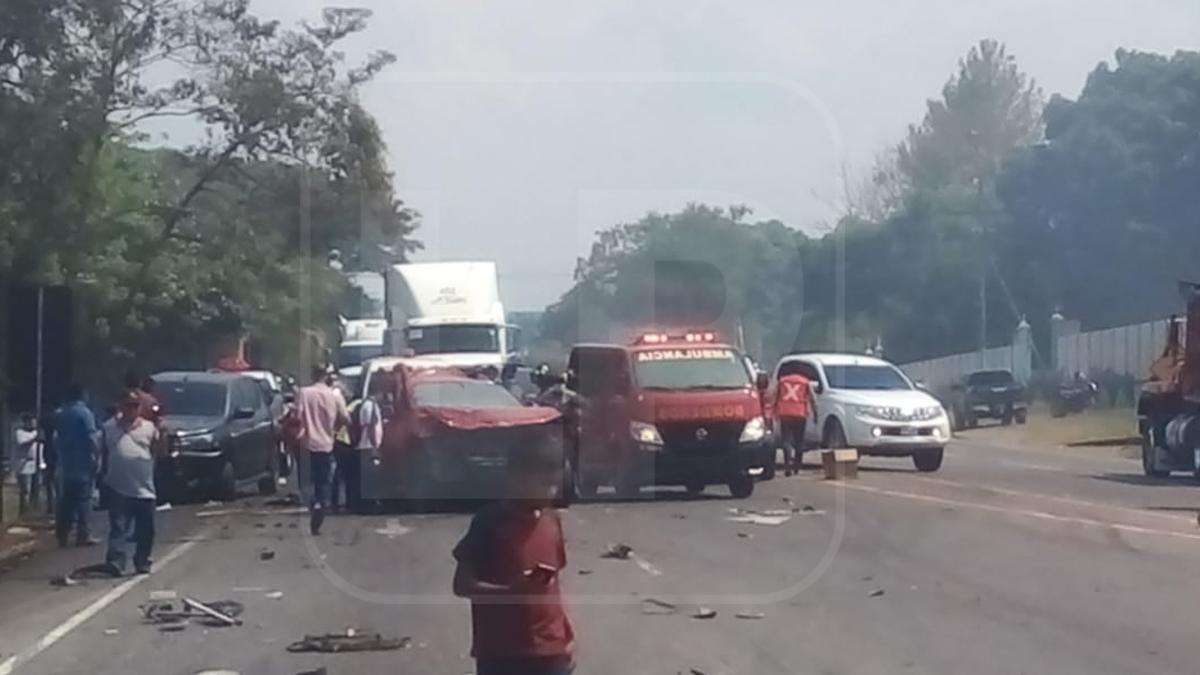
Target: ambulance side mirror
762 381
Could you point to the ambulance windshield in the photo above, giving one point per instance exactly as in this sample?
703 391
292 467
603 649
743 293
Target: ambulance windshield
690 368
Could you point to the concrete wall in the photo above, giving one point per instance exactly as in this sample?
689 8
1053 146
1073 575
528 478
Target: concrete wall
1125 350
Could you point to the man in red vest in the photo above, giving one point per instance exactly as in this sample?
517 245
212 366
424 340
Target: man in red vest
791 405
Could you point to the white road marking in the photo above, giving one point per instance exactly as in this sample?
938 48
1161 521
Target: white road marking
76 620
1065 500
1031 513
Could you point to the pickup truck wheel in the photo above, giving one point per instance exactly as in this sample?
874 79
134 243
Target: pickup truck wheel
928 461
835 436
741 487
225 484
1149 462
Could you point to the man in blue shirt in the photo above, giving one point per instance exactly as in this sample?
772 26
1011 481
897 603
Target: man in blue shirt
75 436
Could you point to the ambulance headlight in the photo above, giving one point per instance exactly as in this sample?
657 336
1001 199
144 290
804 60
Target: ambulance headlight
646 434
754 431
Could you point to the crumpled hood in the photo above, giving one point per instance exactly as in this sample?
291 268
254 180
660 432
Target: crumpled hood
487 418
191 424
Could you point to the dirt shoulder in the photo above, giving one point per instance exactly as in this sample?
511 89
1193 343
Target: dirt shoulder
1101 432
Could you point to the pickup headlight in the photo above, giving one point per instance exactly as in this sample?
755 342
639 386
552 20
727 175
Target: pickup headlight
754 431
197 442
646 434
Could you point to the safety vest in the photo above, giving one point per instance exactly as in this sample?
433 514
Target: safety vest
791 398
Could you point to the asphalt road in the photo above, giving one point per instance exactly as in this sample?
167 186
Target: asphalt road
1009 560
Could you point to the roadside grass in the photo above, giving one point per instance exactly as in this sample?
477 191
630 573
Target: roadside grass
1107 426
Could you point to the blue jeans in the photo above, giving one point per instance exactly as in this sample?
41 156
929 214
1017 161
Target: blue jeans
320 471
74 509
130 517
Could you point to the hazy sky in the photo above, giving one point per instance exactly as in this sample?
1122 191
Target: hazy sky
519 128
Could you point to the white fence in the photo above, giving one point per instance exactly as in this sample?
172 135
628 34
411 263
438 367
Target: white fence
941 372
1125 350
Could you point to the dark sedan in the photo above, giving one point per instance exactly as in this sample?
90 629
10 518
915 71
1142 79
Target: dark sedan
221 434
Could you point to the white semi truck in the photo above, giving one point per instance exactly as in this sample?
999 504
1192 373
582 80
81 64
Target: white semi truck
450 312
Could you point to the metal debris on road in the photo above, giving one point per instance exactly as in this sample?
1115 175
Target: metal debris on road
162 595
111 631
217 613
333 643
266 554
750 615
704 613
656 606
809 508
876 593
286 500
617 552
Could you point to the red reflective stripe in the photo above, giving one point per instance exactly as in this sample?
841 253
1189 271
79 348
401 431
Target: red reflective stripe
791 391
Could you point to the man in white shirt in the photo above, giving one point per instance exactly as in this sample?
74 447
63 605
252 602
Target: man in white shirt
131 444
28 455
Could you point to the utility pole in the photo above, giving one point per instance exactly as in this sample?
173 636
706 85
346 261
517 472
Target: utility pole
983 274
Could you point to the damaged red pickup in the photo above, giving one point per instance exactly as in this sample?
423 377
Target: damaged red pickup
448 436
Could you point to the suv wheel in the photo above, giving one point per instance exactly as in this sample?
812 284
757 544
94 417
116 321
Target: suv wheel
741 487
225 485
929 460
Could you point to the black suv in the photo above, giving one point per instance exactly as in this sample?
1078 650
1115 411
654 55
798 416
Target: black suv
221 434
993 394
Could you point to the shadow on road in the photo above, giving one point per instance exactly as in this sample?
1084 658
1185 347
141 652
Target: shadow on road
1139 479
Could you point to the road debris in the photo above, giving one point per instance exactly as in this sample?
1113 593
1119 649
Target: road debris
20 530
65 581
759 519
286 500
212 612
654 606
704 613
260 526
170 613
111 631
318 671
745 535
617 551
876 593
165 506
266 554
275 595
163 595
333 643
750 615
584 572
393 528
679 516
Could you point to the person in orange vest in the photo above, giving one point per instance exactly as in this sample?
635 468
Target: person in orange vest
791 405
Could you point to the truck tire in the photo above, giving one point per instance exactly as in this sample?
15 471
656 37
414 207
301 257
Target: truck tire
741 487
928 461
1149 462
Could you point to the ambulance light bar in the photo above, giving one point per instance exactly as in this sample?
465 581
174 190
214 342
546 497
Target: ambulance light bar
663 338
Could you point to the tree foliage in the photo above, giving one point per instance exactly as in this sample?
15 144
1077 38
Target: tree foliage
1100 219
167 248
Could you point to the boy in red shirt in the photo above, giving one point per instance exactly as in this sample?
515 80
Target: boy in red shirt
509 566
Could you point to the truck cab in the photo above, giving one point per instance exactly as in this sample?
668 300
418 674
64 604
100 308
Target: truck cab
666 410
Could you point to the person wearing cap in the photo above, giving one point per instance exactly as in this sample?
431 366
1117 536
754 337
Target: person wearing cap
131 444
321 409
